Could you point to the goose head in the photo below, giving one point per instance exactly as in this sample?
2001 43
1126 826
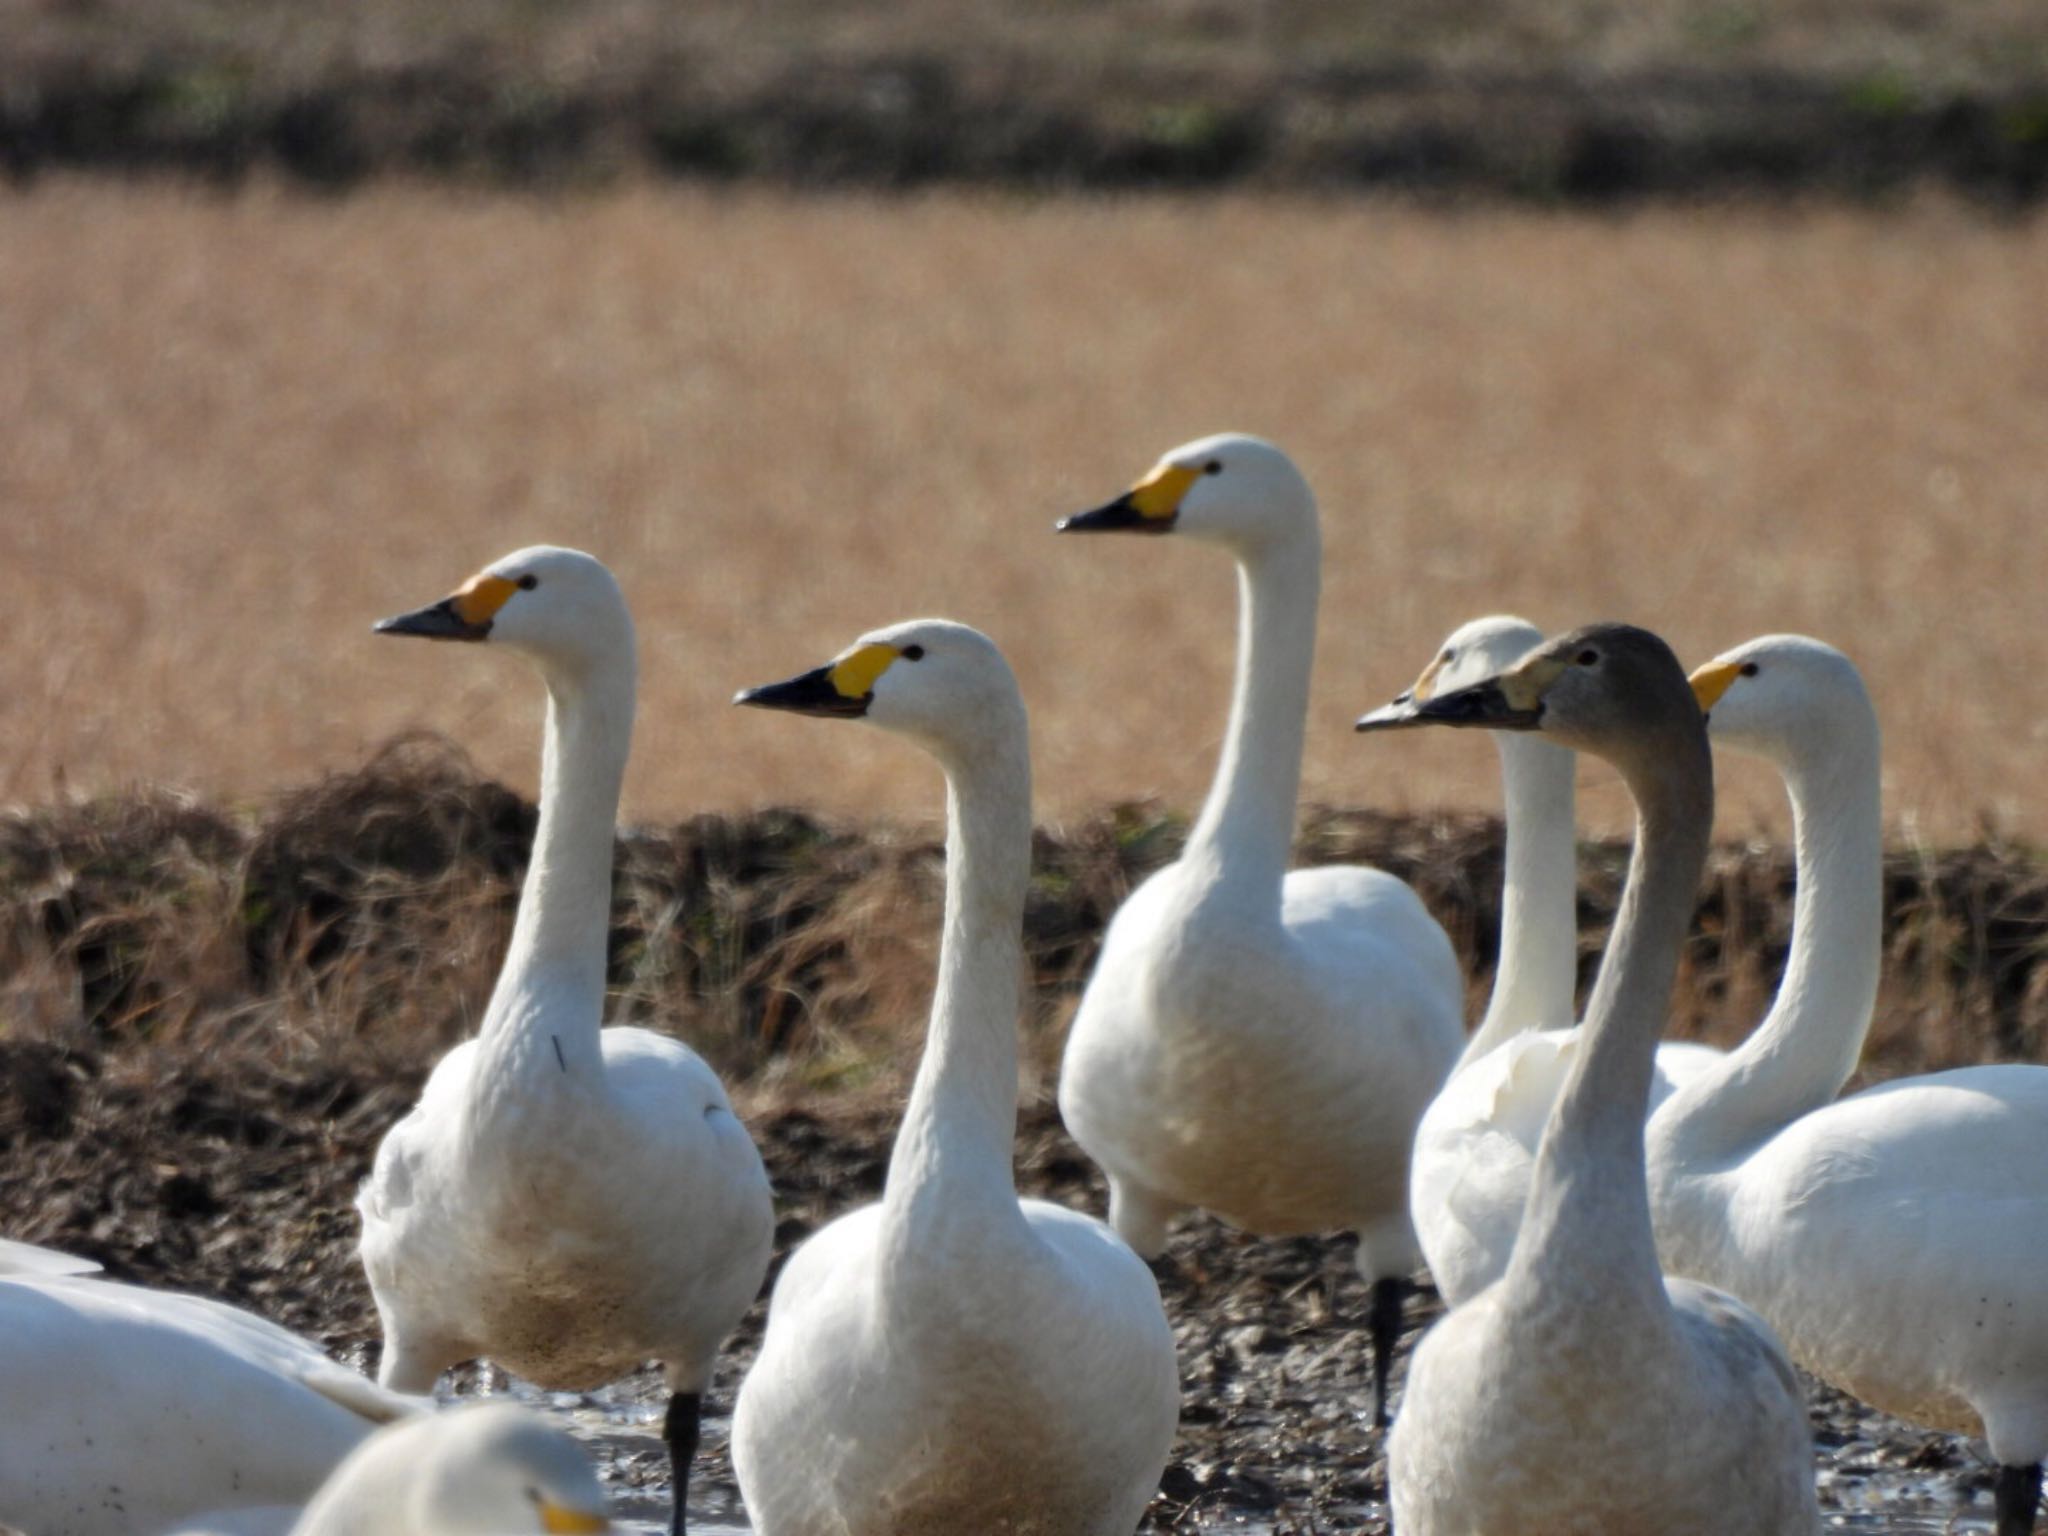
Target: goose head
1613 690
942 684
1232 489
1791 700
492 1469
560 608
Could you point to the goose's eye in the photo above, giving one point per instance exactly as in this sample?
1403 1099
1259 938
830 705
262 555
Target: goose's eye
528 582
913 653
1748 669
1213 467
533 1497
1588 658
1448 657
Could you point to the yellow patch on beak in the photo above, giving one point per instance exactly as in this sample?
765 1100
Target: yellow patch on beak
855 673
481 597
1713 680
1160 493
1425 685
555 1518
1525 686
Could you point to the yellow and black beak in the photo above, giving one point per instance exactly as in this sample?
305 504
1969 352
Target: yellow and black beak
1150 506
1511 702
463 615
842 688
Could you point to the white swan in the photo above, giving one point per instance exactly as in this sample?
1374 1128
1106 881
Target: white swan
569 1200
482 1469
1257 1043
1896 1239
123 1409
1584 1393
952 1359
1477 1142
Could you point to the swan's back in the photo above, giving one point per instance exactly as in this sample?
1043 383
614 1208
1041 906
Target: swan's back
127 1409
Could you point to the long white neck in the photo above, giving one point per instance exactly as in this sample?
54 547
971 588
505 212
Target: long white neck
1808 1044
1586 1228
546 1010
1246 830
952 1161
1535 981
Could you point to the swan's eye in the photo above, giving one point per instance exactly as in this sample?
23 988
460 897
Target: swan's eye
528 582
1448 657
1213 467
1588 658
913 653
1748 669
535 1497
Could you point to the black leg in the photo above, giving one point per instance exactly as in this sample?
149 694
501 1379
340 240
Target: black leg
679 1429
1385 1322
2019 1496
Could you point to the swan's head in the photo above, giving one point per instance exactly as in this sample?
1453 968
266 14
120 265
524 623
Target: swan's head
1785 698
1471 653
493 1469
1610 689
942 684
560 607
1236 490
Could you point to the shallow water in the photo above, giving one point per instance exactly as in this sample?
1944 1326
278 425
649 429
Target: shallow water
1862 1488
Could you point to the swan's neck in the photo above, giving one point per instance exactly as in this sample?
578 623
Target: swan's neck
1587 1223
549 1002
1808 1044
953 1154
1246 829
1534 983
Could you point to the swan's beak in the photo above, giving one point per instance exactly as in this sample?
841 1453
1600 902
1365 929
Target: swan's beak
1498 704
808 693
1713 680
559 1518
844 687
1150 506
463 615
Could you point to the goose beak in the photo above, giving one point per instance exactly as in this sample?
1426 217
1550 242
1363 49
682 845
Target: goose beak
1391 717
1713 680
463 615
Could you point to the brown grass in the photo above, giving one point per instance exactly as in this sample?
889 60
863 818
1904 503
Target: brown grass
237 430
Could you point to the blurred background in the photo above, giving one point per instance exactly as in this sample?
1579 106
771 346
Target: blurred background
1719 316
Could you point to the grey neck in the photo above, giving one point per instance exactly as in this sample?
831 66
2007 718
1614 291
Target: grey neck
1589 1192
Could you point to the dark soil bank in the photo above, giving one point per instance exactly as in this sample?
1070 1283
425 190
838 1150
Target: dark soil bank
1567 102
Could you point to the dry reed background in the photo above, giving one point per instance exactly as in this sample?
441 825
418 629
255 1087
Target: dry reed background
236 429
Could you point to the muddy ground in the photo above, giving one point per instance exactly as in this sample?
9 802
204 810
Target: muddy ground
218 1175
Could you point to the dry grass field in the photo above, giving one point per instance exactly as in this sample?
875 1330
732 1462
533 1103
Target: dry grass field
233 431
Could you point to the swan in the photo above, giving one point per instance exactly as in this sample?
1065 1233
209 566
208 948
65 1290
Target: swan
1477 1141
1583 1393
1256 1043
482 1469
1896 1238
569 1200
953 1359
123 1409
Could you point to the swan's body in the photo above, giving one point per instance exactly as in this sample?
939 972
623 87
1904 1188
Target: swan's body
1256 1043
952 1359
1476 1145
568 1200
124 1409
1896 1238
1582 1394
484 1469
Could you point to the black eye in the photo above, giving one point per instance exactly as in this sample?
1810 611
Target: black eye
1588 658
1748 669
913 653
533 1496
528 582
1213 467
1448 656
